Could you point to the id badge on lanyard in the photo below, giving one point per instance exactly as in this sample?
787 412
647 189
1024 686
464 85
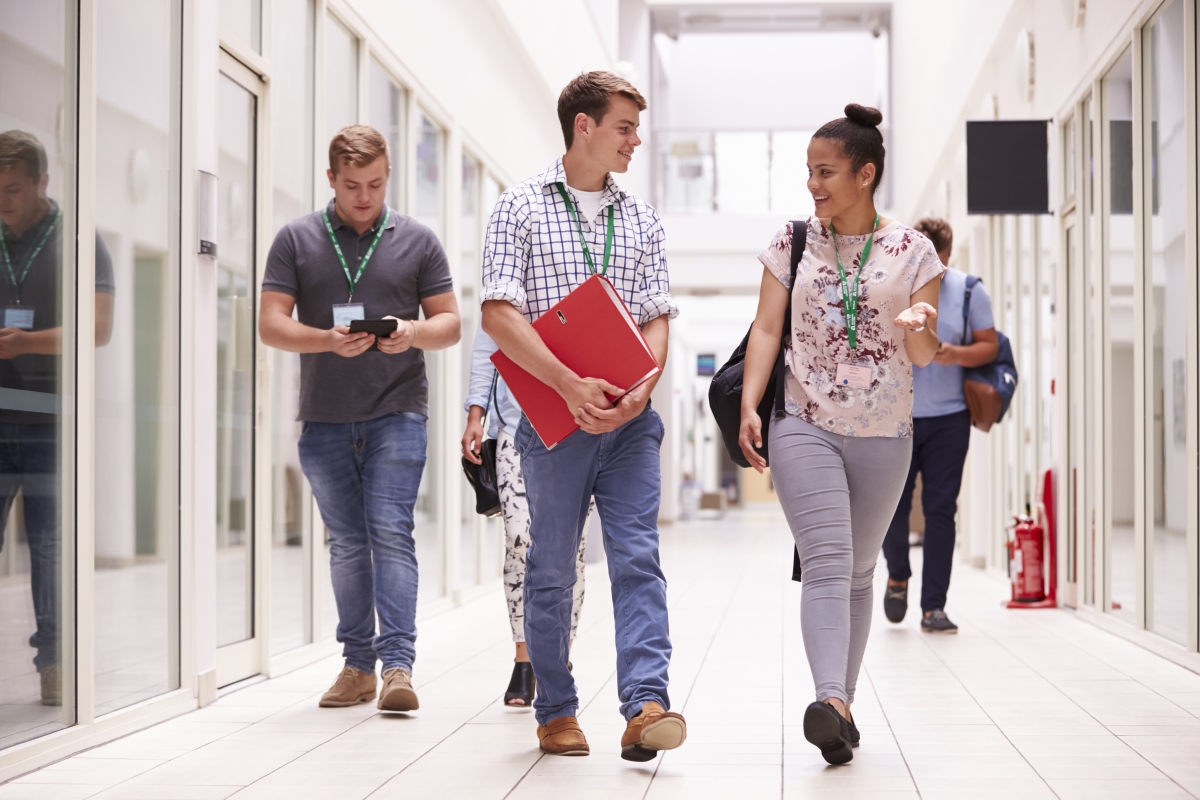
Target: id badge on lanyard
854 376
18 317
345 313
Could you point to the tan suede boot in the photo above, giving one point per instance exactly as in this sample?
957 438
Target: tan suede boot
562 736
351 688
398 694
653 729
51 685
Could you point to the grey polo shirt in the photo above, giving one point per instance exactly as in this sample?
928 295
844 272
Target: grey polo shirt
408 265
40 291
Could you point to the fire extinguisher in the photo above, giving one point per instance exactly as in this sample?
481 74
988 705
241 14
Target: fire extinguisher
1028 550
1026 561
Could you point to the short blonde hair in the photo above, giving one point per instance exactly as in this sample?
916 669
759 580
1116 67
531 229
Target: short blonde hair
357 146
21 149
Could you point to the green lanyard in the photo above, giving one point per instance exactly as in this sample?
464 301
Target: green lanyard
608 237
362 265
12 274
850 292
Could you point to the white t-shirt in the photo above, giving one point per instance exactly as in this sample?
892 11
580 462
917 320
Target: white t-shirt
589 204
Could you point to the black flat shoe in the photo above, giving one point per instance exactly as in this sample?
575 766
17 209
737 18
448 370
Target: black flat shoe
829 731
895 602
854 735
520 688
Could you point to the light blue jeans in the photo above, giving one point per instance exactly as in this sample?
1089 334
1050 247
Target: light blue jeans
621 469
365 477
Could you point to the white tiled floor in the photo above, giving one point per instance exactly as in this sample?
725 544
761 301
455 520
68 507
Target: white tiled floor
1025 704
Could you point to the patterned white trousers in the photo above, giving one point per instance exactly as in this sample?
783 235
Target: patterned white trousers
516 538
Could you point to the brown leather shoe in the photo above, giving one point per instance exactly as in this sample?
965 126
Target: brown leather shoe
653 729
351 688
398 694
563 737
51 685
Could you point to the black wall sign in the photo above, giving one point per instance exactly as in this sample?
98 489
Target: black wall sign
1007 167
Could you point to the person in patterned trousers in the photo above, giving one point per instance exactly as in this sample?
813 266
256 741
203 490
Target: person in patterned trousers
489 397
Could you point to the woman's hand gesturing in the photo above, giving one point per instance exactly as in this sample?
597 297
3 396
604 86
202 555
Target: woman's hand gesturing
915 318
750 437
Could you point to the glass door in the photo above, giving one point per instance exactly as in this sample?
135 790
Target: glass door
240 568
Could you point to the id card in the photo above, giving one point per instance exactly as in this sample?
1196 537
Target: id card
344 313
18 317
855 376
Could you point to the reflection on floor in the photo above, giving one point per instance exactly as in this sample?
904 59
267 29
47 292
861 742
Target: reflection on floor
1029 704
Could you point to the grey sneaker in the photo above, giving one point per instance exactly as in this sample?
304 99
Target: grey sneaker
397 694
936 621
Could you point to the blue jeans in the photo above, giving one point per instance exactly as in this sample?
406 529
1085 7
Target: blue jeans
621 469
365 477
939 454
29 462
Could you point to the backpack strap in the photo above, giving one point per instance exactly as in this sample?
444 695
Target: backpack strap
971 281
799 242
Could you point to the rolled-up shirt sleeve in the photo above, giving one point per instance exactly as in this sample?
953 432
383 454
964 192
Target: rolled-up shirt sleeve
506 251
656 284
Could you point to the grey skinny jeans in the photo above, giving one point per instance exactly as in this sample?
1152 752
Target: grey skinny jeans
839 494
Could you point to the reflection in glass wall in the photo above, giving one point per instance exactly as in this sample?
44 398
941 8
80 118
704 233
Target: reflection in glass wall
1166 546
341 80
243 20
137 361
1091 378
36 170
1118 87
292 196
237 158
387 116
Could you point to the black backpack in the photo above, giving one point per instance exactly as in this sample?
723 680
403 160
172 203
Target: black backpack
725 391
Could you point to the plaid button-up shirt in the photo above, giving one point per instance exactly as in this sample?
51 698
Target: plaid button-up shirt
532 257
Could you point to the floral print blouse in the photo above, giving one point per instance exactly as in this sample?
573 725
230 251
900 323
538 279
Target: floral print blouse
901 262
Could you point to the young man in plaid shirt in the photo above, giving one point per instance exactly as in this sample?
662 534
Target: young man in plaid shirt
533 258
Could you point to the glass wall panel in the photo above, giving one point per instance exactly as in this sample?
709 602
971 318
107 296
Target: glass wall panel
743 172
491 548
387 116
789 174
341 79
292 159
1118 363
470 238
237 160
1091 381
1166 547
429 175
37 176
243 19
137 360
687 176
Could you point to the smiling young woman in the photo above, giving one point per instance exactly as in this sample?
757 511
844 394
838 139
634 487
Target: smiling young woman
864 310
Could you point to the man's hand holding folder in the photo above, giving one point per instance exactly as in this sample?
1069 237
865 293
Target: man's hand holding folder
558 399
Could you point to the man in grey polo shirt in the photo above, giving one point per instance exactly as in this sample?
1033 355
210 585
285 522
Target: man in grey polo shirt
31 320
363 399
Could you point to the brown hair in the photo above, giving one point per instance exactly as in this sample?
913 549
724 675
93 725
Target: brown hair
591 93
21 149
357 146
938 231
858 133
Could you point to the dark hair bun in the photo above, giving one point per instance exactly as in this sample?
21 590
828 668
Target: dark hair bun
864 115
